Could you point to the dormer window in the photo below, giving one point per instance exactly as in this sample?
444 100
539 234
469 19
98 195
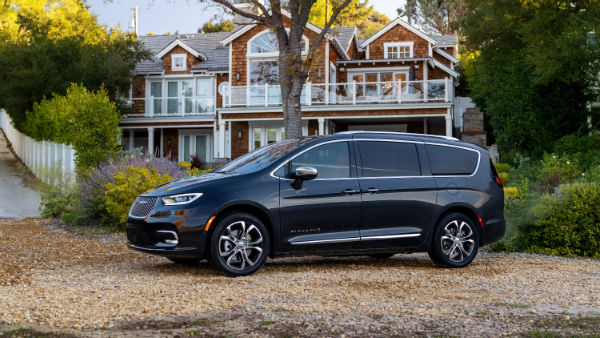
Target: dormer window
178 62
398 50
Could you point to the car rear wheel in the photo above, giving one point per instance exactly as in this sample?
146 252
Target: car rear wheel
239 245
455 241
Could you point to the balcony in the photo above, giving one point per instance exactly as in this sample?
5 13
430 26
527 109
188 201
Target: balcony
344 93
176 106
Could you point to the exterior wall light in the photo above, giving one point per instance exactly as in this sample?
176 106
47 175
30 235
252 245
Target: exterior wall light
237 76
240 134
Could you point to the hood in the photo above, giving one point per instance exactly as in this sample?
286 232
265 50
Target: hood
185 185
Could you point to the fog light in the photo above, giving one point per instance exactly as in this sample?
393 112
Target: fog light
168 237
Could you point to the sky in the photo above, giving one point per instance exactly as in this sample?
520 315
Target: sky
183 16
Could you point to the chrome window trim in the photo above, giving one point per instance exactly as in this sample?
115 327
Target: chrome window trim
272 174
307 149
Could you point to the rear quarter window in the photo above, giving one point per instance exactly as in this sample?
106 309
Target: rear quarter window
447 160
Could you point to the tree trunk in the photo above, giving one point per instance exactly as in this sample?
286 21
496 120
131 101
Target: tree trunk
291 78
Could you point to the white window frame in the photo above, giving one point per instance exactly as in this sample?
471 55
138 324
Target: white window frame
264 125
174 57
388 45
179 79
192 133
273 54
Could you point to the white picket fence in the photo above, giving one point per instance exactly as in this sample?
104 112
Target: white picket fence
52 163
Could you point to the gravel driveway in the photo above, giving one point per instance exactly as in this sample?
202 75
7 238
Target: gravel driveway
59 282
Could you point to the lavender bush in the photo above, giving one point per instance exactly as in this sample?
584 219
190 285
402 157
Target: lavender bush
92 192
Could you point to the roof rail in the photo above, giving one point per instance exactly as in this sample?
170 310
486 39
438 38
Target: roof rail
449 138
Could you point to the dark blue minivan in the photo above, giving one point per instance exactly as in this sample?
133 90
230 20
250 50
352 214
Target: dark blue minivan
351 193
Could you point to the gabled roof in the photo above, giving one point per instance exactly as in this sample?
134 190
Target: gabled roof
180 43
217 55
236 34
393 24
446 55
345 35
445 40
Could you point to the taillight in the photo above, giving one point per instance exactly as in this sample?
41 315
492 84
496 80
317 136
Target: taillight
480 221
499 181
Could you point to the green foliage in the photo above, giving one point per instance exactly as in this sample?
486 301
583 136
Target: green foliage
502 167
530 66
557 170
87 120
504 176
47 45
511 193
216 24
585 149
55 202
568 222
436 16
358 13
127 185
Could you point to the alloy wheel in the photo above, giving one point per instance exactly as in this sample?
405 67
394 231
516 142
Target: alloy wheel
241 245
457 241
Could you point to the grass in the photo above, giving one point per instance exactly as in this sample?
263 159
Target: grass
482 313
25 332
561 326
267 323
191 332
513 305
282 309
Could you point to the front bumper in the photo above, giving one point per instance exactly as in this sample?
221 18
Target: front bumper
144 235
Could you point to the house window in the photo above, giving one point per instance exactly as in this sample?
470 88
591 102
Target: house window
267 43
178 62
398 50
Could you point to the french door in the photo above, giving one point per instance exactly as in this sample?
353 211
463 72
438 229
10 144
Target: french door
194 144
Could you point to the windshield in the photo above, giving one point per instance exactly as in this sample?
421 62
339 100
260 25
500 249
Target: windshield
263 157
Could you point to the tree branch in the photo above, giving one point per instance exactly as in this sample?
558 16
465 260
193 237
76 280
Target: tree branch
327 27
264 19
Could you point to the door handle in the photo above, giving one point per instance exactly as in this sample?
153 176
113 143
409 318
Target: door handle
351 191
372 190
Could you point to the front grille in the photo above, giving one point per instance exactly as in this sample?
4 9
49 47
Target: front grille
142 206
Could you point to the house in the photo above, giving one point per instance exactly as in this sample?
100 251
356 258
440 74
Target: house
216 95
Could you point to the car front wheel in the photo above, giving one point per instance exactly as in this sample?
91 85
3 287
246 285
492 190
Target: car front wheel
239 245
455 241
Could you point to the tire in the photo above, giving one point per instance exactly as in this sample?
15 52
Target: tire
184 261
452 250
381 255
236 254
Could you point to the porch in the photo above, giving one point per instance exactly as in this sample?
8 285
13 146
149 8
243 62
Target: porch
329 94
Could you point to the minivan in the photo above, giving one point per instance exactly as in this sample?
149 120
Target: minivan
350 193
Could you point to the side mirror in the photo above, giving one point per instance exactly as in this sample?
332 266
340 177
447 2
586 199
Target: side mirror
302 174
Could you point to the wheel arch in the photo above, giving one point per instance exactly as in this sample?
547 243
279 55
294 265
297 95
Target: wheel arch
462 209
245 207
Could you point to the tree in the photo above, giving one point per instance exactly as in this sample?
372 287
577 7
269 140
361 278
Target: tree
293 66
47 45
531 67
374 22
436 16
216 24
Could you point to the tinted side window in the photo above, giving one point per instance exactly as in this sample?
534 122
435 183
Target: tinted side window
381 159
331 160
451 160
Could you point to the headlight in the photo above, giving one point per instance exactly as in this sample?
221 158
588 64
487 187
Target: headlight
180 199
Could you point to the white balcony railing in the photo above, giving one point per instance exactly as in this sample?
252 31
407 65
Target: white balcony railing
176 106
344 93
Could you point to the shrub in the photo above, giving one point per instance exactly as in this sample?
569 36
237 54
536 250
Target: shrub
556 170
87 120
91 187
504 176
585 149
502 167
126 186
511 193
568 222
55 203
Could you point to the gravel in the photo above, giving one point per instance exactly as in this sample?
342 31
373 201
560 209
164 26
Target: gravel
55 280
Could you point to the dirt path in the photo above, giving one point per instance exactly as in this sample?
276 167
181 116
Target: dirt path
17 199
52 280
